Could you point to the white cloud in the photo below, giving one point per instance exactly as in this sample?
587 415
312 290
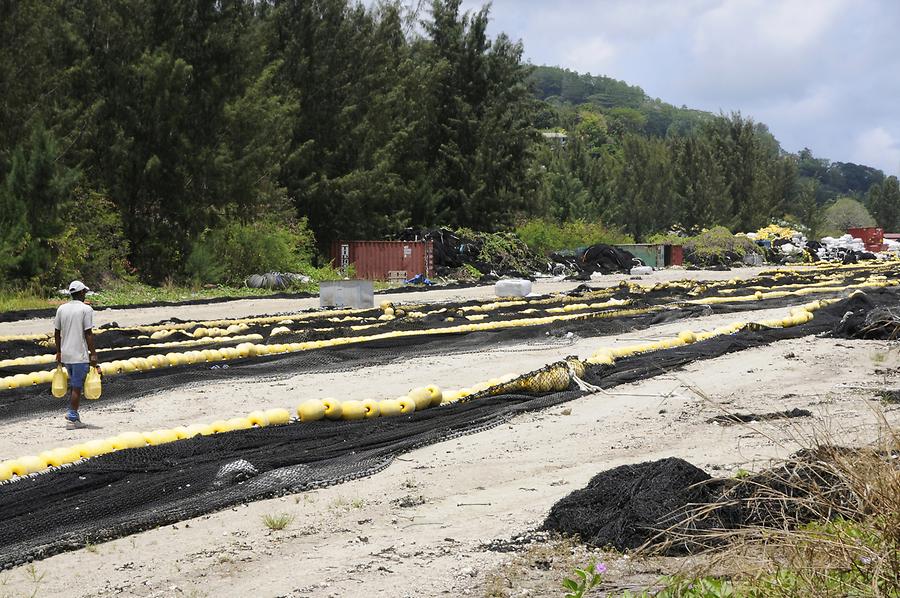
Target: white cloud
746 48
878 147
594 55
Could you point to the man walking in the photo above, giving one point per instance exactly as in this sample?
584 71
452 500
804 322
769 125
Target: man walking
75 345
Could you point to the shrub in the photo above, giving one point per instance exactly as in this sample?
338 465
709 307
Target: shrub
232 251
92 246
546 236
714 246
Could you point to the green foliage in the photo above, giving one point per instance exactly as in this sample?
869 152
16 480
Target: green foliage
808 211
836 179
186 114
93 246
884 202
505 251
232 251
645 187
685 587
546 236
846 213
585 580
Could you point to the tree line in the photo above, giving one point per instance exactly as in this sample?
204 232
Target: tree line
134 131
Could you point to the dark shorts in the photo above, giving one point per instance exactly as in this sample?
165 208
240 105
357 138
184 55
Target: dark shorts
77 373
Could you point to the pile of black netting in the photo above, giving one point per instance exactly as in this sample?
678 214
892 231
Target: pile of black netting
673 507
136 489
877 323
602 258
627 506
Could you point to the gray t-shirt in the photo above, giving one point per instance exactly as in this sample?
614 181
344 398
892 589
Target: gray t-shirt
72 319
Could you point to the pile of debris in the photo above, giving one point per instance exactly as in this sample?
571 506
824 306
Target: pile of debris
465 254
846 249
786 246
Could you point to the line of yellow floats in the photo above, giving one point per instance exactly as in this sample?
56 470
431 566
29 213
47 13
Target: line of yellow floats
251 349
248 349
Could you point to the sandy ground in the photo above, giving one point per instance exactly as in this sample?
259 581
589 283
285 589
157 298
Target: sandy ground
252 307
419 527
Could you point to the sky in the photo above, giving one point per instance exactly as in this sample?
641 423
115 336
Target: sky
822 74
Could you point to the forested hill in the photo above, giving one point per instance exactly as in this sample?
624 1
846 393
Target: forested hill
560 87
563 92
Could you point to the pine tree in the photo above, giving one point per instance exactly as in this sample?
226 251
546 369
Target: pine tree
35 192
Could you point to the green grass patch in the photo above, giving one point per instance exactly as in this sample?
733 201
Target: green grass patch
18 300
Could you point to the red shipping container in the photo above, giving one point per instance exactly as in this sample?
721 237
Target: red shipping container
384 260
674 255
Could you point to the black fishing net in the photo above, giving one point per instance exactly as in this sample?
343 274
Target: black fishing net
131 490
29 400
674 508
625 507
605 259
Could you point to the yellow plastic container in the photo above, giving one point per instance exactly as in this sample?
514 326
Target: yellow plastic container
92 384
59 386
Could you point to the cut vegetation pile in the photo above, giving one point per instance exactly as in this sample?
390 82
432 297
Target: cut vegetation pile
466 254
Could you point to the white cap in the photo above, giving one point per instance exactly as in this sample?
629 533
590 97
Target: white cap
77 286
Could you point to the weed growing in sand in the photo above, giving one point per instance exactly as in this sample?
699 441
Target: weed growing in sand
341 503
34 577
90 547
741 473
585 580
890 397
879 357
278 522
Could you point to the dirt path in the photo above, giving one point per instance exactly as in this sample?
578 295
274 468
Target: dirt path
251 307
417 528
